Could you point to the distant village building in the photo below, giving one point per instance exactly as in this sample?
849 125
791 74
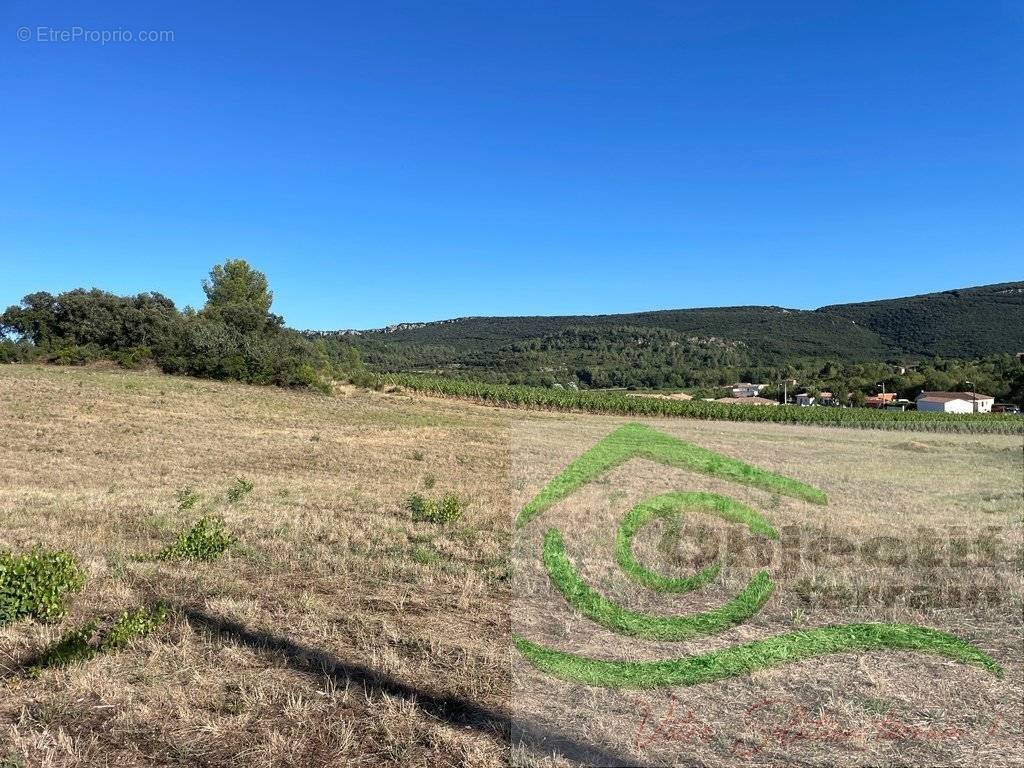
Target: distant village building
827 398
804 399
955 402
746 401
881 400
898 405
746 389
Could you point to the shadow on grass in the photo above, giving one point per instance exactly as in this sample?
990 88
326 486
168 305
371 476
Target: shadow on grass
455 710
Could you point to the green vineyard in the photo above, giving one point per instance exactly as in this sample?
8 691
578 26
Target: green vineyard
597 401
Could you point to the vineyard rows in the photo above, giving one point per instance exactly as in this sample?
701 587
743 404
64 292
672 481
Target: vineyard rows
596 401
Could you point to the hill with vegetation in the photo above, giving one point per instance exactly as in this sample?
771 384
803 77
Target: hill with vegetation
948 338
970 322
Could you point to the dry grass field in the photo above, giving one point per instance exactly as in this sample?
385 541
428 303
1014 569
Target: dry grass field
338 631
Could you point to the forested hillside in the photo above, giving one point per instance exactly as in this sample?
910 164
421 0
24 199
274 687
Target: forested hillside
963 323
705 348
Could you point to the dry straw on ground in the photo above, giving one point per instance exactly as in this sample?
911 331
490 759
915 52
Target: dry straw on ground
339 631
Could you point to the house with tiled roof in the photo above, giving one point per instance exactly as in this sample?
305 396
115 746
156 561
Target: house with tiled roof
955 402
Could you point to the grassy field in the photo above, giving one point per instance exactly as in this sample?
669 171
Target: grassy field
340 631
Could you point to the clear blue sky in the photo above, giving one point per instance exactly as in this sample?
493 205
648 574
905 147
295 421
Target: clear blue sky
389 161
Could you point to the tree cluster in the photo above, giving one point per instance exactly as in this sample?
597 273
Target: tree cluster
234 336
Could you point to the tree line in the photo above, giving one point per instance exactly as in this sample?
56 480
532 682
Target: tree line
234 336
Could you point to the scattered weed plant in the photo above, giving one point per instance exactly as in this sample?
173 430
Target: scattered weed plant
37 584
207 540
89 640
239 489
187 498
447 509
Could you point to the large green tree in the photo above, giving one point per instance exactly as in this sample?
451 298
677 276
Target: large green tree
240 296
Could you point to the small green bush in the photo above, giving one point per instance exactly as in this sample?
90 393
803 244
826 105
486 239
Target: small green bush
37 584
429 481
133 624
425 556
206 540
187 498
450 508
75 354
239 489
447 510
306 375
133 357
89 640
418 505
73 647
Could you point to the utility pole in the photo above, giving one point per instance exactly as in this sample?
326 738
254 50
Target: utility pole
785 390
974 397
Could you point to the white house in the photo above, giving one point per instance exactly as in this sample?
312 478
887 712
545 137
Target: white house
746 389
955 402
804 399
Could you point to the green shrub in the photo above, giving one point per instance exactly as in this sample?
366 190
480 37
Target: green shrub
239 489
187 498
133 357
429 481
73 647
17 352
362 379
37 584
418 505
75 354
446 510
89 640
450 508
306 375
206 540
133 624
